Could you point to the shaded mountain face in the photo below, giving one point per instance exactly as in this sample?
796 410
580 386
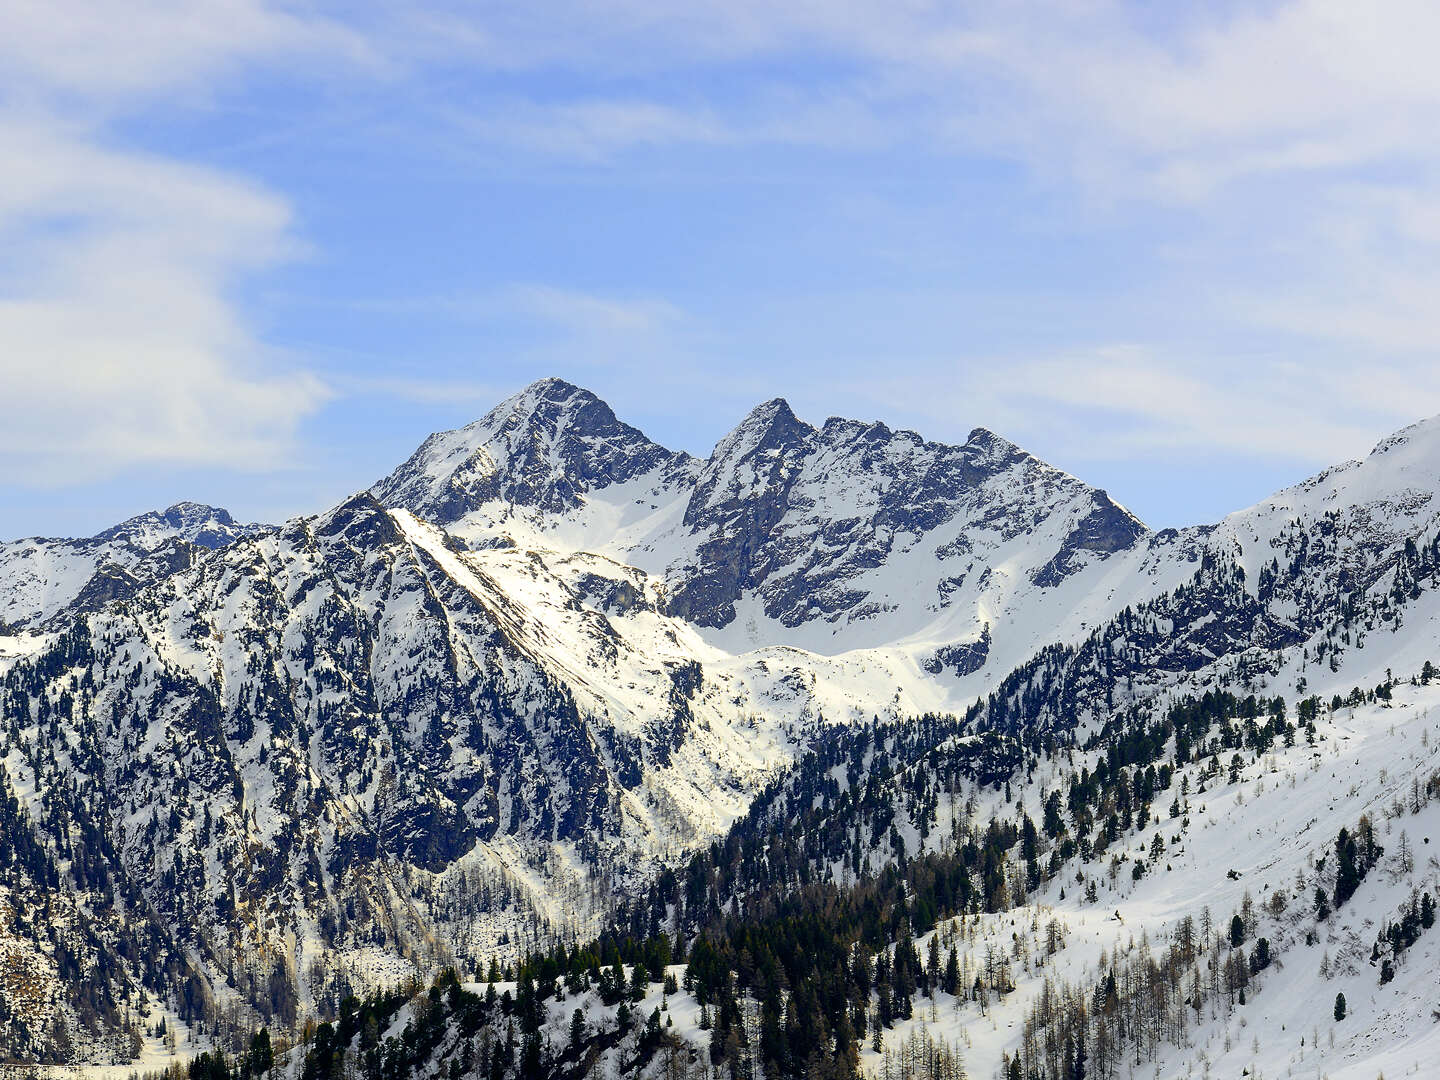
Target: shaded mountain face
801 517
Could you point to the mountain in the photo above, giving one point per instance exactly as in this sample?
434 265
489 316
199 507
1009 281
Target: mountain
812 525
893 911
43 579
535 672
846 536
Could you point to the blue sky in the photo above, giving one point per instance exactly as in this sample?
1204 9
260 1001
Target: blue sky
252 253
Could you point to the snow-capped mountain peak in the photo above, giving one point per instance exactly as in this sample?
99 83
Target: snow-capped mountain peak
835 537
750 460
44 578
544 448
198 523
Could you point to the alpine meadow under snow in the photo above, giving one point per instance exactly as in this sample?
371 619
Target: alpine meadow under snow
560 753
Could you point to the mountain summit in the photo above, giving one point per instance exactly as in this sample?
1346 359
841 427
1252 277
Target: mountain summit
544 448
44 579
206 526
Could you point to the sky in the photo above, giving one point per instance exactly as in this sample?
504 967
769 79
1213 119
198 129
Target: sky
251 253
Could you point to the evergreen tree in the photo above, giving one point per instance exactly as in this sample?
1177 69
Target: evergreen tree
262 1055
1347 873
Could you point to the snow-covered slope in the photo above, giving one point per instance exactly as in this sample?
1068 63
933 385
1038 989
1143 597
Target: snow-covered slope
1186 942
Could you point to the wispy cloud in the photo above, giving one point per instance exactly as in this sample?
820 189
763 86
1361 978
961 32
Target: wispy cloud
525 330
589 312
120 343
479 394
599 129
1123 403
552 305
88 52
1236 114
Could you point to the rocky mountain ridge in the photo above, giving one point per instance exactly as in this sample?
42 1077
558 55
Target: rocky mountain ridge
45 580
827 538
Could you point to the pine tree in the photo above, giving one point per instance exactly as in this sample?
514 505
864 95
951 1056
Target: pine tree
1347 873
262 1055
1339 1007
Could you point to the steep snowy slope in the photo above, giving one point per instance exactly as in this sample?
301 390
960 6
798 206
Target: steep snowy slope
1254 841
1322 587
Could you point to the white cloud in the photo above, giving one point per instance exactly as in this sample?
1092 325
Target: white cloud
120 342
1220 90
547 305
96 53
591 313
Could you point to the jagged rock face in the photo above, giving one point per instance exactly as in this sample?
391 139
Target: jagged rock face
545 448
343 636
797 515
